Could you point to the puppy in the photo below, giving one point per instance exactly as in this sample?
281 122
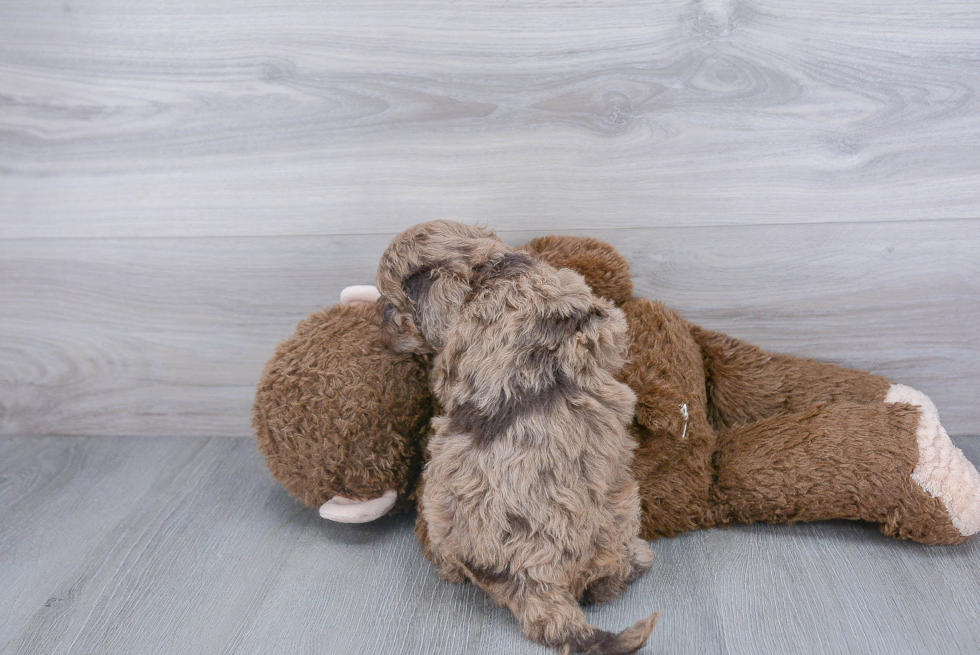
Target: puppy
528 491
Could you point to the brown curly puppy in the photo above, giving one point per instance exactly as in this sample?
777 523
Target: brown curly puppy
528 491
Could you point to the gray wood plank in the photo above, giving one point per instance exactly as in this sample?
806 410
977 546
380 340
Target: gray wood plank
208 117
186 545
59 498
168 336
181 563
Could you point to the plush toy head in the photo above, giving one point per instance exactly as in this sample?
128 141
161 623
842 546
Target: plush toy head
341 418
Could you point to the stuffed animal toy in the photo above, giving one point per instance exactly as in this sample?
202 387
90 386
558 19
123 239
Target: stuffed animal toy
725 432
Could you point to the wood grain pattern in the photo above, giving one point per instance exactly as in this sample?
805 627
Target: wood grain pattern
168 336
204 117
186 544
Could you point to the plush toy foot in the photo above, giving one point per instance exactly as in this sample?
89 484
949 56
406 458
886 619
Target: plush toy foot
943 471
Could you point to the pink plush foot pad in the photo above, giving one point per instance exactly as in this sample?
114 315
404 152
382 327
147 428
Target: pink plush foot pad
943 470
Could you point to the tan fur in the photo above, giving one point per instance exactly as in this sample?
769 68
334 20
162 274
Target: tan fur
528 491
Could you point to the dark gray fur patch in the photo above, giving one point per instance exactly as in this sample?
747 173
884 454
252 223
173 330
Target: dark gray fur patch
556 329
512 264
599 642
486 425
600 590
387 311
416 287
518 525
487 574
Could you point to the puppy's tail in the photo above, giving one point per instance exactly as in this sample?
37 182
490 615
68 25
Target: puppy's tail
555 619
599 642
551 616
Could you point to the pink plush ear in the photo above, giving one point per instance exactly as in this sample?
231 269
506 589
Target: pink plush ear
345 510
360 294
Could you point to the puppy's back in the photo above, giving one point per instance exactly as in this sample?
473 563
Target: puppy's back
528 329
528 485
527 381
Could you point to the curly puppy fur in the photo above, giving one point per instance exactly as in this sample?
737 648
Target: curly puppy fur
528 491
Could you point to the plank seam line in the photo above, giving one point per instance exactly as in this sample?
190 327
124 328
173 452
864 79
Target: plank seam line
590 230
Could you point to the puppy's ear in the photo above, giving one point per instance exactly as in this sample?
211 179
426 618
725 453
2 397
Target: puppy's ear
437 295
432 297
416 286
416 289
399 330
423 279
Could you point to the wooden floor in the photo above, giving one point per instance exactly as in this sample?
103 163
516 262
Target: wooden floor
185 545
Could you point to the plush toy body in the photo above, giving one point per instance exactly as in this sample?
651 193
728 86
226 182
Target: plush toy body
781 439
726 432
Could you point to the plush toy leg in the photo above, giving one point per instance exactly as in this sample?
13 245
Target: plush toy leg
746 384
833 461
942 470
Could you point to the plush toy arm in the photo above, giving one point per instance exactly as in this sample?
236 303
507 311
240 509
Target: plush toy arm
663 368
746 384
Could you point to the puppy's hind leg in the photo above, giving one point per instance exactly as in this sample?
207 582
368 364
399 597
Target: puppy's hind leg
610 580
641 557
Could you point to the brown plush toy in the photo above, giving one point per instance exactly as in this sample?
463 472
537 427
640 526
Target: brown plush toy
726 432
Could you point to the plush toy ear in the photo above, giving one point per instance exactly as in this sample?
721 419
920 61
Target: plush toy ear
360 294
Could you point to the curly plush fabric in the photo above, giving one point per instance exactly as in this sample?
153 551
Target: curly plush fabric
726 431
337 413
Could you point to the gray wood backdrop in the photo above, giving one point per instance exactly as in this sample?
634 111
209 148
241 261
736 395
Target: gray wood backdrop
182 181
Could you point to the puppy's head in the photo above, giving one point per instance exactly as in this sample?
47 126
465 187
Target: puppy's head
424 277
